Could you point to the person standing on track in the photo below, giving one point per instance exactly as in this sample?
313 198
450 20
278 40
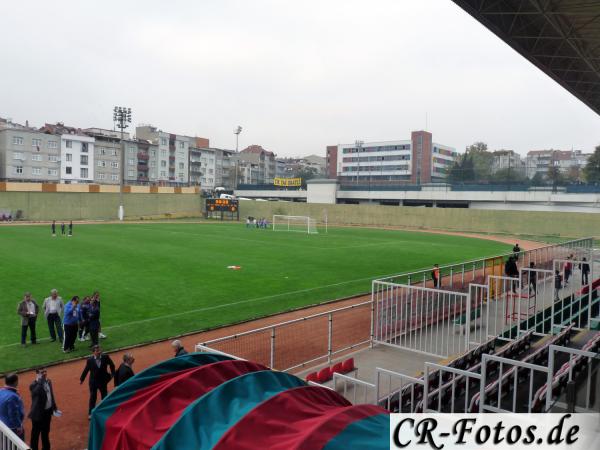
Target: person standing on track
435 276
70 228
53 309
12 410
43 405
53 227
97 365
125 370
62 228
70 322
178 348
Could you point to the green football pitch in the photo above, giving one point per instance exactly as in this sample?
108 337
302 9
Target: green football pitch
159 280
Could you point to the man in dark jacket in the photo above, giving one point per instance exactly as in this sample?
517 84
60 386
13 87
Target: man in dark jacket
28 310
125 371
93 315
585 272
97 365
178 348
43 405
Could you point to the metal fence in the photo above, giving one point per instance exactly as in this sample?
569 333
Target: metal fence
9 440
306 341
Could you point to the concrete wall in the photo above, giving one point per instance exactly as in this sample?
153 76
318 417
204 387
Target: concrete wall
469 220
100 206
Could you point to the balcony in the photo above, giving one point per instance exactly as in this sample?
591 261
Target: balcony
142 178
142 167
143 156
171 158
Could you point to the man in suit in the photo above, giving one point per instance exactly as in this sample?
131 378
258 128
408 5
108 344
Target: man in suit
28 310
125 371
97 365
43 405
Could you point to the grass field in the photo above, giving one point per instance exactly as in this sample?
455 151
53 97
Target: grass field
163 279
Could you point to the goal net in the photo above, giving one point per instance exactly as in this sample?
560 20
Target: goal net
302 224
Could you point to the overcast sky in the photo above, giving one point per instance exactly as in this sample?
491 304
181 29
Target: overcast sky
296 75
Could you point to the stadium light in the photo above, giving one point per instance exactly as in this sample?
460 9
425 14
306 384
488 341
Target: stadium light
237 132
122 119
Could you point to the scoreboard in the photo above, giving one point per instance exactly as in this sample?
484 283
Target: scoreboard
223 208
222 204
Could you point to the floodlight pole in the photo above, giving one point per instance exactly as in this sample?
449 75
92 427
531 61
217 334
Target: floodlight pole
237 132
122 119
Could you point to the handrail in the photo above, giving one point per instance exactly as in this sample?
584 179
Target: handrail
9 440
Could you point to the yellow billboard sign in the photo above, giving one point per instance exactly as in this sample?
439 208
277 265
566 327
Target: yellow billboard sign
287 182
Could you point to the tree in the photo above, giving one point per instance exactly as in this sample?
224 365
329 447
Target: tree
538 179
306 173
482 161
591 171
555 176
463 170
509 176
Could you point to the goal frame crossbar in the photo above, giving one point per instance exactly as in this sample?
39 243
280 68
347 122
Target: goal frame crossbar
293 222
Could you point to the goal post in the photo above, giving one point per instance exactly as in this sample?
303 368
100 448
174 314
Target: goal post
301 224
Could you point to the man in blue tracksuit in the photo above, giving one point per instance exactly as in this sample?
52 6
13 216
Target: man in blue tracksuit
12 411
70 323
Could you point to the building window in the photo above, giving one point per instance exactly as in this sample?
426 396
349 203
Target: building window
84 172
19 155
53 158
114 177
114 164
152 163
163 153
84 160
181 176
69 157
36 143
53 172
163 164
132 149
101 163
68 170
130 173
163 141
69 144
131 162
163 173
113 152
101 150
181 144
36 171
181 165
101 176
84 147
19 170
36 157
52 144
17 140
153 152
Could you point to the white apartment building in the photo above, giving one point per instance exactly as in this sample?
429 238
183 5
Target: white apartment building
173 154
539 161
77 158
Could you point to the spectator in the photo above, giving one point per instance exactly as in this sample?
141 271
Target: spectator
568 269
53 226
70 322
532 278
585 272
435 276
12 410
557 284
512 271
62 228
97 365
28 310
516 250
125 370
84 319
178 348
94 321
96 296
71 228
53 309
43 405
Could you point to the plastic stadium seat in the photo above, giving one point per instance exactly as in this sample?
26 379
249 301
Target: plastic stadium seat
348 365
312 377
337 368
324 375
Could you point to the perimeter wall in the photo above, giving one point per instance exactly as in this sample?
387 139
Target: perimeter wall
452 219
99 206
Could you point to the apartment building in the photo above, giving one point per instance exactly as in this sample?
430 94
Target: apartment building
539 161
27 154
107 154
507 159
172 157
256 165
212 168
416 161
77 158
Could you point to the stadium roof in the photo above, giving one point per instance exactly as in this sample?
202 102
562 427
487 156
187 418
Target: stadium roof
561 37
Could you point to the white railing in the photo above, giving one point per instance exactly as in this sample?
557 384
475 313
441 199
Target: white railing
400 386
433 399
301 342
9 440
353 388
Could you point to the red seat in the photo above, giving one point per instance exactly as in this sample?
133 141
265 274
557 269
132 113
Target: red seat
337 368
312 377
348 365
324 375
